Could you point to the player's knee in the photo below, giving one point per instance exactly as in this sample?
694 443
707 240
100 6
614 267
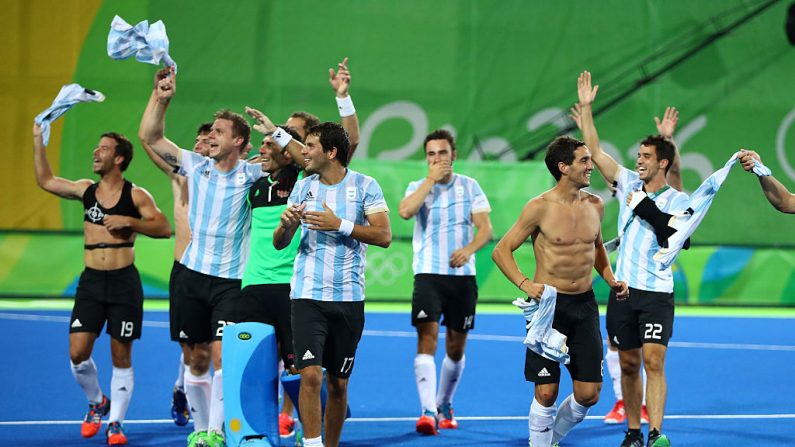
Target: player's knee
630 365
78 355
546 398
312 378
199 359
337 387
120 359
654 363
588 399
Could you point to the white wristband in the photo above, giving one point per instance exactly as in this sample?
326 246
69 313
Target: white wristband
346 227
345 106
281 137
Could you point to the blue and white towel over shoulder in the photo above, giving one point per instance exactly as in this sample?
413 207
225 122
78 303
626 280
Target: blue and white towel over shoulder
69 95
541 337
148 43
687 222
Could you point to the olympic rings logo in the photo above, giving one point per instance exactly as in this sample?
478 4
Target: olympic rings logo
387 267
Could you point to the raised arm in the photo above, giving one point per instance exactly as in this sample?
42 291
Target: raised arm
482 237
587 94
411 204
265 126
502 255
776 193
61 187
153 222
153 121
666 128
341 82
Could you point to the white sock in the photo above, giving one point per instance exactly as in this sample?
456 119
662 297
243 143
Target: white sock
643 377
198 390
540 423
121 387
313 442
217 403
425 375
570 413
85 373
614 368
448 379
180 382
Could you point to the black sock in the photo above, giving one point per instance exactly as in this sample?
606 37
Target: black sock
635 433
654 433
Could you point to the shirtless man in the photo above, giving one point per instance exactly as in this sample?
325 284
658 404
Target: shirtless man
110 287
565 226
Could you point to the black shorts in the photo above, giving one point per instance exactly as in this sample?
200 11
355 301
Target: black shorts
644 317
270 304
173 308
206 304
326 333
113 295
577 317
454 297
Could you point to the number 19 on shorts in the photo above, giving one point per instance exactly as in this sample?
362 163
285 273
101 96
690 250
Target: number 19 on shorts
126 329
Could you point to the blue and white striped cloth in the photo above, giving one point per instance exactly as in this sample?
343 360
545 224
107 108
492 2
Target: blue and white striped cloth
69 95
686 222
635 263
330 266
542 338
444 224
218 214
148 43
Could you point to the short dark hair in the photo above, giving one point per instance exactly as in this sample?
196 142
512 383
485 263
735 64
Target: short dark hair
561 149
333 135
240 127
310 120
123 147
664 146
204 128
439 134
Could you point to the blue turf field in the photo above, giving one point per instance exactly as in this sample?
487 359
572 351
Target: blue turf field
730 384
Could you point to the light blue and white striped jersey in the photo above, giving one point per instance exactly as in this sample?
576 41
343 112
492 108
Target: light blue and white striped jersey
330 266
635 263
218 215
444 224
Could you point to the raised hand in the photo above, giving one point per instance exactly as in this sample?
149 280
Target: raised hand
166 85
438 170
747 159
667 126
264 124
575 114
324 220
585 92
341 79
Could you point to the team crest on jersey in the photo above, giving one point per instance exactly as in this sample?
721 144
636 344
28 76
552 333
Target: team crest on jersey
240 178
350 193
95 213
661 203
459 191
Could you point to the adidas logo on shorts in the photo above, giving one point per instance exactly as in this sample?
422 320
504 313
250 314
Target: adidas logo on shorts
77 323
307 356
422 314
543 373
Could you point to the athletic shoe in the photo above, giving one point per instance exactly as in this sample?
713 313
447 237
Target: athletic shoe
618 415
179 407
632 440
93 419
286 425
196 439
426 424
657 439
445 416
644 415
214 439
115 434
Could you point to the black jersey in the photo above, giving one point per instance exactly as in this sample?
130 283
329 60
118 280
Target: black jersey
94 212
